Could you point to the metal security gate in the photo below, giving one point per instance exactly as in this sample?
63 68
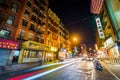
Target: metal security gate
4 56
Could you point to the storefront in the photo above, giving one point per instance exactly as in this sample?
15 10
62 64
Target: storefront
54 53
33 52
7 50
112 51
62 54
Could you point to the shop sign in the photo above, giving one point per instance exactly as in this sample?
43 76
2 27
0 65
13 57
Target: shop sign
109 42
34 45
99 27
8 44
53 49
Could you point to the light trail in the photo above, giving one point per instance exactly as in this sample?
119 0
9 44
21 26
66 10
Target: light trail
47 72
48 65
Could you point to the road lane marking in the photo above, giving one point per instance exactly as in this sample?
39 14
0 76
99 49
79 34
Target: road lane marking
47 72
111 72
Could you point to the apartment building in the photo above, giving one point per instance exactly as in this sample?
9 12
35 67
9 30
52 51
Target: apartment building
23 27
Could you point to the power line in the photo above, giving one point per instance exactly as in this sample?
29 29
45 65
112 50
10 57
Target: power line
77 21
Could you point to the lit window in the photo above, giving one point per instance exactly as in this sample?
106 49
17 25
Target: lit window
4 34
14 7
30 36
22 34
38 29
10 20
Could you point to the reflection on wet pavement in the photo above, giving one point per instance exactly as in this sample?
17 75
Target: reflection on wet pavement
85 70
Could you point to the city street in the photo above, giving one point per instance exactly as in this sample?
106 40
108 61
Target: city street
59 39
74 70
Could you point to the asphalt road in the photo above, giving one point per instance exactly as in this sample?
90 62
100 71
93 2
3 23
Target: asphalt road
76 70
83 70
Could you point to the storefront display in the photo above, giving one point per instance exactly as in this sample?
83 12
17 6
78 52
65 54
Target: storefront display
32 52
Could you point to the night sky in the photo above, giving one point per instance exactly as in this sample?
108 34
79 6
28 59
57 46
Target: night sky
76 15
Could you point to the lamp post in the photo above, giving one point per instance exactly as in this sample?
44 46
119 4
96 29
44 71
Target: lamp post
75 39
75 48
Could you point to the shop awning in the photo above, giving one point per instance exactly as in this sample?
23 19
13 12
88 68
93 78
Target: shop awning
35 46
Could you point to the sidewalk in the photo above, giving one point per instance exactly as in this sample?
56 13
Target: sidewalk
114 69
18 67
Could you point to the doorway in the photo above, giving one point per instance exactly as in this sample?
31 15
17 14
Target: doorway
15 57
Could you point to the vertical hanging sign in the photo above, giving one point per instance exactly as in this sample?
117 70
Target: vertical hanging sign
99 27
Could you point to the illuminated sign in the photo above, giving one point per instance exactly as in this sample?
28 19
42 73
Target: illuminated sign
35 45
8 44
99 27
53 49
109 42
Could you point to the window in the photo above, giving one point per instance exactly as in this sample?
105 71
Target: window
27 13
22 34
35 9
24 22
2 1
4 34
14 7
37 38
33 17
10 20
30 36
38 28
39 13
29 4
38 21
42 40
43 23
43 31
30 54
32 27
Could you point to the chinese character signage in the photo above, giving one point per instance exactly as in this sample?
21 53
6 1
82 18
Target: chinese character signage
8 44
99 27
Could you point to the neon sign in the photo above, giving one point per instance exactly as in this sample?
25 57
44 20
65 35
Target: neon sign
8 44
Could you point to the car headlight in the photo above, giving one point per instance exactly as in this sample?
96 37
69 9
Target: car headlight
87 58
91 58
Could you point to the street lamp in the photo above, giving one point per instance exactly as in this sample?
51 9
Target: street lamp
75 48
75 39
